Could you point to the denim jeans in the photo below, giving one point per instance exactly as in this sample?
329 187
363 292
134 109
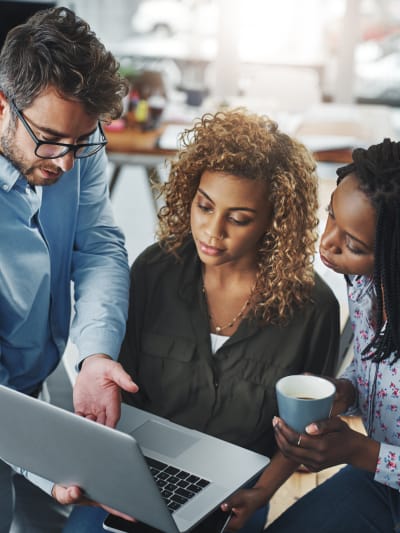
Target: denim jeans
349 502
90 520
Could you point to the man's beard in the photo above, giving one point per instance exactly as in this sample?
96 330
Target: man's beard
9 149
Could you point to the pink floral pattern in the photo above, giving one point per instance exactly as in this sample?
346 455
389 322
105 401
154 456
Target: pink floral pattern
378 386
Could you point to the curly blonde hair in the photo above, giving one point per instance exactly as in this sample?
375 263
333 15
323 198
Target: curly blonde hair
251 146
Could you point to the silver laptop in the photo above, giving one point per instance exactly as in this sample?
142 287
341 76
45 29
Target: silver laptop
124 468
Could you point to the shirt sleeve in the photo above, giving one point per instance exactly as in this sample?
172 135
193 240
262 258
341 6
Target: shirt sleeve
44 484
350 374
99 267
388 466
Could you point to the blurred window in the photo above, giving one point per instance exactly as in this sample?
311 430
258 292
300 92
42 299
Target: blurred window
305 33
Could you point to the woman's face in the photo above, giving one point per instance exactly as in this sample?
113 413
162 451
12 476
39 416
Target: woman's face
347 244
229 216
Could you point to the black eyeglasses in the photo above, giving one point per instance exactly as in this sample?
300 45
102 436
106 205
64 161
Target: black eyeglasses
53 150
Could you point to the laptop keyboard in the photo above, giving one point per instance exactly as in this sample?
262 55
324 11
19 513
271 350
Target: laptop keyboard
176 486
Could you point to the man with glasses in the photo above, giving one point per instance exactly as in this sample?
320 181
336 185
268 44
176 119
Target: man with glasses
57 85
55 150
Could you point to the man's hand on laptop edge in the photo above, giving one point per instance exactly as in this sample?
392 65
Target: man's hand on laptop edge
97 391
73 495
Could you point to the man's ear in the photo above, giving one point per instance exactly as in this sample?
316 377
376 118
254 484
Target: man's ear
3 104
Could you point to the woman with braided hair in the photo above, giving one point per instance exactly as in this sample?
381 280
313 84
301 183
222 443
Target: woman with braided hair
361 241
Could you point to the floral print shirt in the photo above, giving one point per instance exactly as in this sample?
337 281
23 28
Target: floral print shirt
377 384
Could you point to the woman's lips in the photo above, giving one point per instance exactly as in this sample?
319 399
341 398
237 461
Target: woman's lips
327 262
209 250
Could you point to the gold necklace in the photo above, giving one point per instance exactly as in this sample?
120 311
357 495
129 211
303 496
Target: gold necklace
218 329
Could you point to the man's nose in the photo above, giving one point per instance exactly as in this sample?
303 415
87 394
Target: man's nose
66 162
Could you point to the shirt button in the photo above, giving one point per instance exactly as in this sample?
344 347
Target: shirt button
5 187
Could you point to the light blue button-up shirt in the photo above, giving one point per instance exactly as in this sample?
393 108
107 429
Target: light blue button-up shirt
51 236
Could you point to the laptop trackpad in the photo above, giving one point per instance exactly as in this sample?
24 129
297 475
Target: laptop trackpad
163 439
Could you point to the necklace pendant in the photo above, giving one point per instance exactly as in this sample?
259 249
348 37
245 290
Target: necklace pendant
218 329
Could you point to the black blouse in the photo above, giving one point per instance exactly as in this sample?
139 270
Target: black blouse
231 394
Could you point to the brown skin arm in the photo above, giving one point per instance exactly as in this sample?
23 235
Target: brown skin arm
246 501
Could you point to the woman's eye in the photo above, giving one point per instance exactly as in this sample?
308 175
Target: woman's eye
354 249
240 222
204 208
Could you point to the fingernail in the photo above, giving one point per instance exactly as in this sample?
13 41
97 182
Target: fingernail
312 428
275 422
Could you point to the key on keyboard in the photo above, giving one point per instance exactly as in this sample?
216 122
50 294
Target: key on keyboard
176 486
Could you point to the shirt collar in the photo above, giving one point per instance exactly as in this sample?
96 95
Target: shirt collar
9 175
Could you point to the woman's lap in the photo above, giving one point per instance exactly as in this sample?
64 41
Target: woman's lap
350 501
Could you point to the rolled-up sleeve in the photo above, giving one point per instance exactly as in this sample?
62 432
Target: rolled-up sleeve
44 484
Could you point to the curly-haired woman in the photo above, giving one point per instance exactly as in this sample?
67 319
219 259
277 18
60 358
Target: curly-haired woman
227 301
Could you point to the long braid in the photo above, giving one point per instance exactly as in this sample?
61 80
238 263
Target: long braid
391 285
378 170
378 340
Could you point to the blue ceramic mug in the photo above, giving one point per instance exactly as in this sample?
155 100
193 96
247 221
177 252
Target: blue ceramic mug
303 399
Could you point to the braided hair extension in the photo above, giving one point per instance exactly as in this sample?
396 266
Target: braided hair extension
378 171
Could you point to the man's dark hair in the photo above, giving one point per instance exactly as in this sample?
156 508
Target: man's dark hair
56 48
378 170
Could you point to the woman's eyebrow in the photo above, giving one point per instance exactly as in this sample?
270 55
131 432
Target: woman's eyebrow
358 240
205 194
249 209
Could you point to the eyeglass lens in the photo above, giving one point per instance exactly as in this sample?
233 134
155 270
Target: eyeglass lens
51 151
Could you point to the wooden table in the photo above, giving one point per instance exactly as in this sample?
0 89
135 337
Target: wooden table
357 124
132 146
